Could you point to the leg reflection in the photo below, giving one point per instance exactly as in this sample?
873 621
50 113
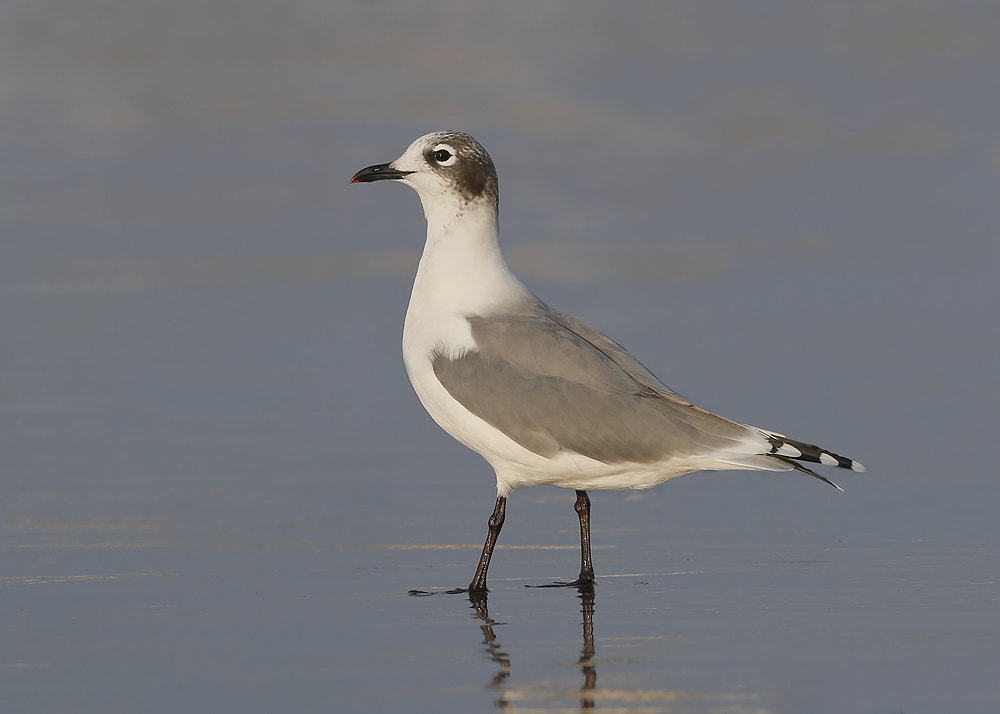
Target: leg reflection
492 648
479 604
586 658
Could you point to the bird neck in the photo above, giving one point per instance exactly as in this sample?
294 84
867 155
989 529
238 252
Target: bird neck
462 270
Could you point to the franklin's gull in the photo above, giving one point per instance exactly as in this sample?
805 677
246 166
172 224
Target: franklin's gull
542 397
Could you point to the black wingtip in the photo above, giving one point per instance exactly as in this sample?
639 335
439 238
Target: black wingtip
799 467
801 451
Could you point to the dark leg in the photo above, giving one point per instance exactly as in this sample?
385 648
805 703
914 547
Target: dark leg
586 580
582 507
478 584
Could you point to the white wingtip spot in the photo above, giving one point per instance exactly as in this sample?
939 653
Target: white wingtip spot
789 450
858 466
827 459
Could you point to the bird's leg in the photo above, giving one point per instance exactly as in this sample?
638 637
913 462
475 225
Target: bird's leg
496 523
582 507
585 582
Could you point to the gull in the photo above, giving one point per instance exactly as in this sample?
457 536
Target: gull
544 398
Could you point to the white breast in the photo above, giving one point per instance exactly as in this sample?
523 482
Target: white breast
461 273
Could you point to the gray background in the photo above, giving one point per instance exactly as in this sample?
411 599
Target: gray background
217 487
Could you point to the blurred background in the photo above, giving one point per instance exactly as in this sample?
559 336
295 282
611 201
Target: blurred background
216 484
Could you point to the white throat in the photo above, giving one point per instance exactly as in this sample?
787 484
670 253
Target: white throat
462 271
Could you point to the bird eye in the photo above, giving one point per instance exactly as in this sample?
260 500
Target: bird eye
441 155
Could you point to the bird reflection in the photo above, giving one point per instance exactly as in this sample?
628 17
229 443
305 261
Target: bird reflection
496 653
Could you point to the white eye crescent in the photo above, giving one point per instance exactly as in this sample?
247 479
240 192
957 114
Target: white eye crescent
443 155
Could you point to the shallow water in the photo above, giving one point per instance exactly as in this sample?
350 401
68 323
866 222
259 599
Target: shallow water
217 488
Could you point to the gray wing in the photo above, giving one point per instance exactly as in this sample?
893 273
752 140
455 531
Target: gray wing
553 384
